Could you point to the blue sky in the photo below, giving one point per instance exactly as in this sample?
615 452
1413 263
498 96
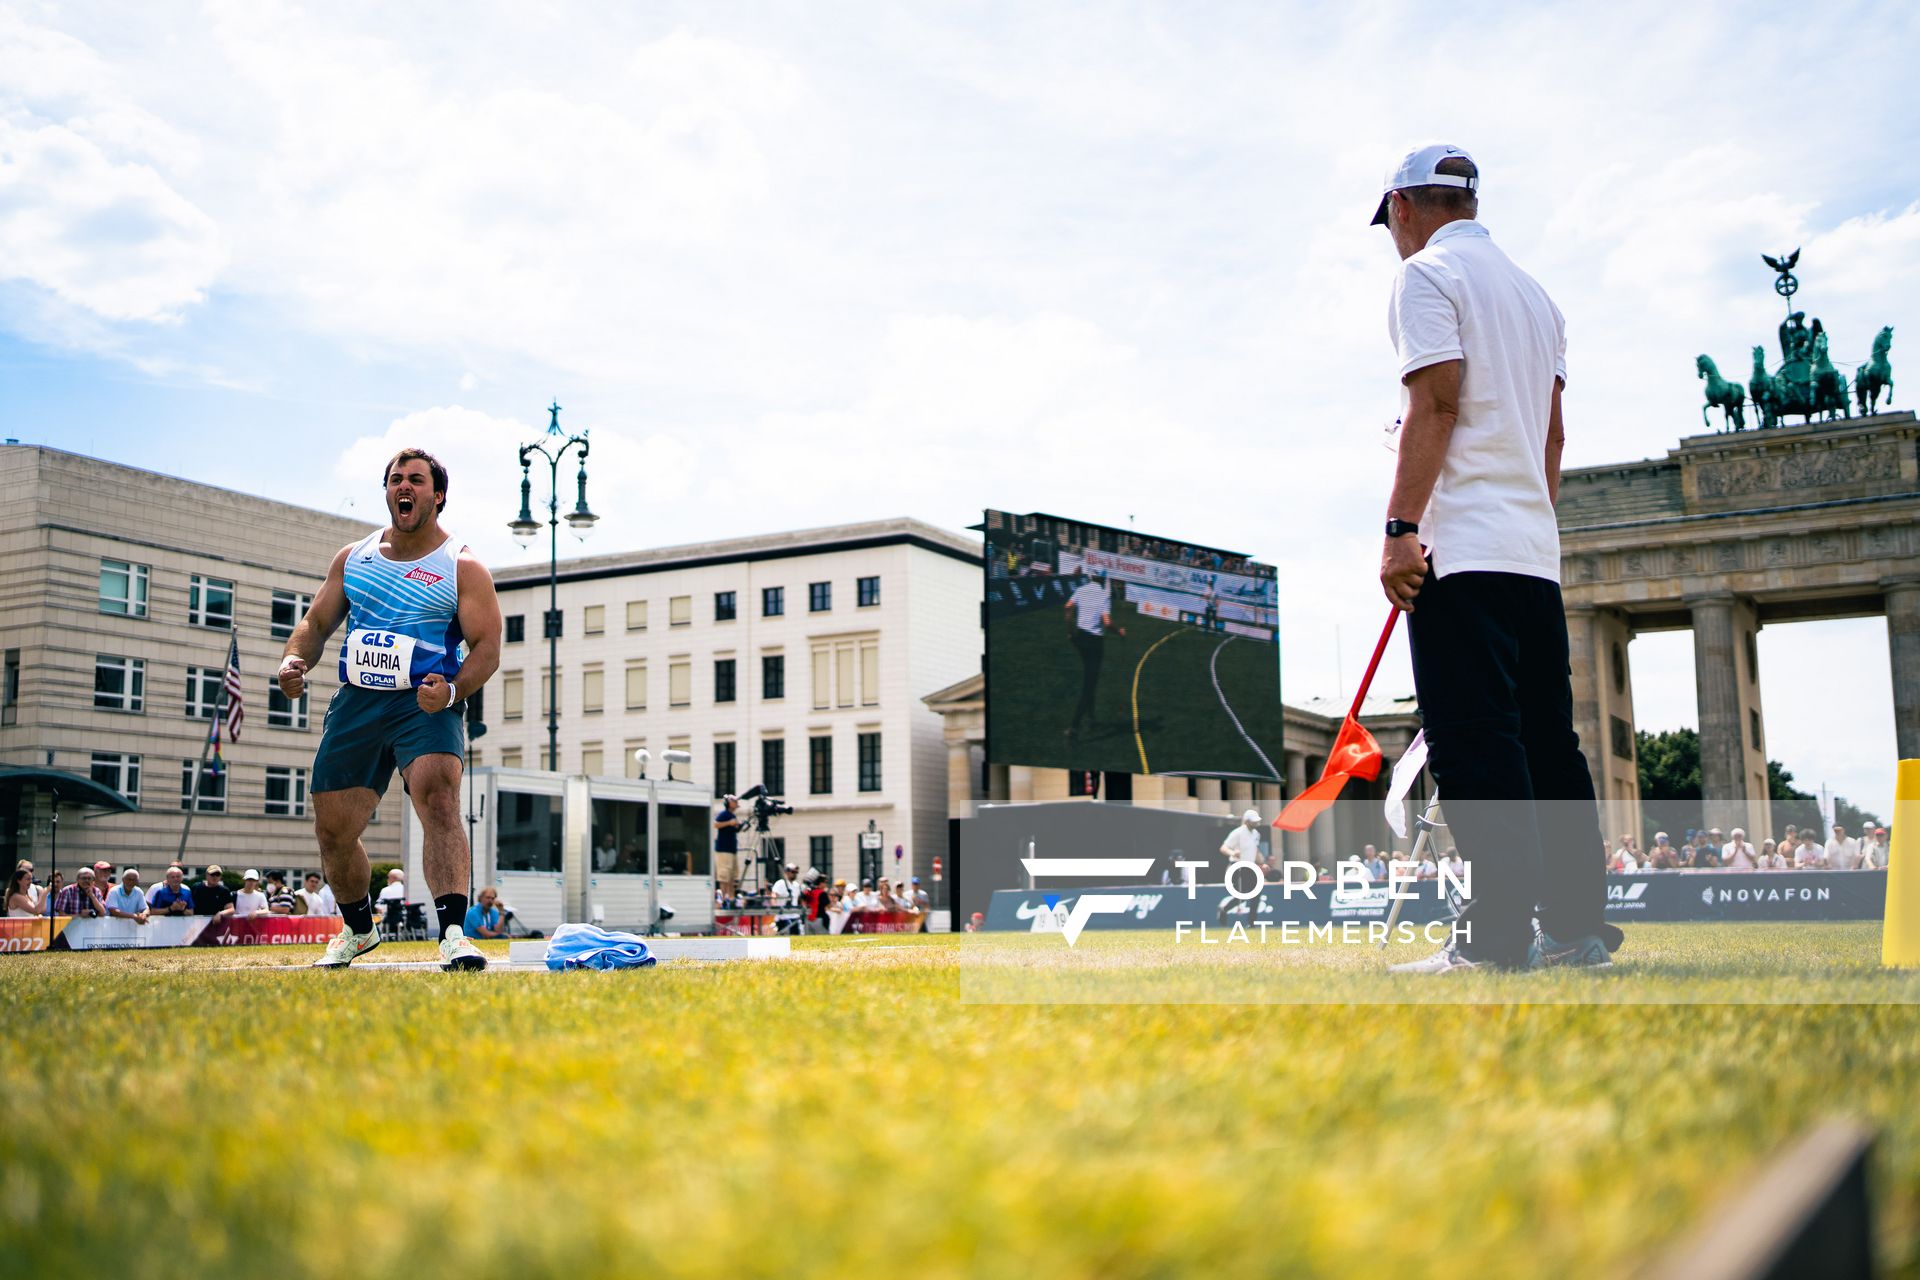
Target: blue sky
797 264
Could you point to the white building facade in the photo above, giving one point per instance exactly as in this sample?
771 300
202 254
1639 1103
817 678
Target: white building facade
796 660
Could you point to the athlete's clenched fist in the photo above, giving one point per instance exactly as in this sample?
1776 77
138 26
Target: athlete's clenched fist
434 693
293 676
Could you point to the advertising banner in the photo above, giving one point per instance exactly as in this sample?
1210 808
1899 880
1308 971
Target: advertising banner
1163 906
268 931
1747 895
30 933
92 934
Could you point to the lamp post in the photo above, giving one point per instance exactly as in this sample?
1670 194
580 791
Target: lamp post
553 448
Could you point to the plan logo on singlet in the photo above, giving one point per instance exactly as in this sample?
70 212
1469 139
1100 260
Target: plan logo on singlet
422 576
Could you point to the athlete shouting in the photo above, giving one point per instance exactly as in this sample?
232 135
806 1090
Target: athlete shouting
410 595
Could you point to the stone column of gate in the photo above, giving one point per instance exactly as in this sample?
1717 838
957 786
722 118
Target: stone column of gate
1586 660
1903 649
1294 843
960 778
1716 671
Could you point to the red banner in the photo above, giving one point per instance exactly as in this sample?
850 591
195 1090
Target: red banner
30 933
268 931
884 922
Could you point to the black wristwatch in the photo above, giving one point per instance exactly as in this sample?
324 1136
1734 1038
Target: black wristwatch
1396 528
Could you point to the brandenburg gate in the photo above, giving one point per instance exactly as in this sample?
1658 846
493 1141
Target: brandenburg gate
1727 533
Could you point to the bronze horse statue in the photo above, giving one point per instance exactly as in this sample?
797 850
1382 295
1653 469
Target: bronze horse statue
1876 375
1721 394
1766 392
1829 384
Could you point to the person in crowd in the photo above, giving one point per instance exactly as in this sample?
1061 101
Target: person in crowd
1456 866
55 883
38 894
1873 849
172 897
1771 859
213 896
1843 851
22 901
127 900
396 886
81 898
1713 839
1243 842
1791 840
1623 862
315 898
250 901
1376 865
484 919
279 901
1663 856
815 896
1738 855
1631 848
103 878
1426 868
785 892
884 899
922 900
1809 856
1707 857
976 922
863 898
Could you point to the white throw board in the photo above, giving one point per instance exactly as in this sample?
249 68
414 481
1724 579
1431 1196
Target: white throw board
532 952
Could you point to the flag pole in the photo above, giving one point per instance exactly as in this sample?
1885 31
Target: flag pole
1373 663
206 744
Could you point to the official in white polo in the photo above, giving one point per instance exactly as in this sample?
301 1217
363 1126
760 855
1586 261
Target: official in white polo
1472 553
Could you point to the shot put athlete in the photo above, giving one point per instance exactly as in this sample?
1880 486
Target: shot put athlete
410 596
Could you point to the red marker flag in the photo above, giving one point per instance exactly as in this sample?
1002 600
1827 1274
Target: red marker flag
1355 754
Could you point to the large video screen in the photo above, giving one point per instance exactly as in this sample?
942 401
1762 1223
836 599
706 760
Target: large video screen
1110 650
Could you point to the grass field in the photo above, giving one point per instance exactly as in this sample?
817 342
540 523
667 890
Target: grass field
845 1112
1181 726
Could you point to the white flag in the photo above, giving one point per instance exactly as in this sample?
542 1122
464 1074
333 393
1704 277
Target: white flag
1405 771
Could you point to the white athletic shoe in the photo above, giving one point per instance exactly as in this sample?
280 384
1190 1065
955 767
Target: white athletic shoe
346 947
1446 960
457 953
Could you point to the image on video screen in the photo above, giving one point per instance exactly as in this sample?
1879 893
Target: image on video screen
1111 650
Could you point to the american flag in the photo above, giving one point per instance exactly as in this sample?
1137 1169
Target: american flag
236 711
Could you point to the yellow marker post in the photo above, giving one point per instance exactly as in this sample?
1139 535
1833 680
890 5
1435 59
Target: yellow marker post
1900 936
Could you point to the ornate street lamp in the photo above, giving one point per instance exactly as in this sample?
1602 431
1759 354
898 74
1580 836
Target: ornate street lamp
525 529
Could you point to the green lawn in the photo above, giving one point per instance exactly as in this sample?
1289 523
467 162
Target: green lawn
845 1112
1182 725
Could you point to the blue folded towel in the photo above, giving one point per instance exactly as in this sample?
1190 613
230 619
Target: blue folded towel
588 946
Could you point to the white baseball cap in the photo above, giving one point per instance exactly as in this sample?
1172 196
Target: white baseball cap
1416 170
249 874
1251 815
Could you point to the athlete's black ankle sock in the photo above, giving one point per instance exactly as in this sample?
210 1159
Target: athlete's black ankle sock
453 911
358 915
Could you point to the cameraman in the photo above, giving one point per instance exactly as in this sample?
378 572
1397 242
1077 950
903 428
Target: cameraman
726 847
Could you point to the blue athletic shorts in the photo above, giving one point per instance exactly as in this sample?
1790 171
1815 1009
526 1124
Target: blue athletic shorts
367 732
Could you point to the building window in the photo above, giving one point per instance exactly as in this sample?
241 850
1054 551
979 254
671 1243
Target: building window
822 678
820 766
593 620
513 695
510 757
773 676
119 773
680 684
724 607
516 628
213 788
632 766
593 759
773 601
723 680
819 597
203 693
636 615
123 588
288 608
286 792
820 853
636 686
869 762
869 589
284 712
773 765
870 674
680 611
593 691
725 778
119 684
210 603
10 688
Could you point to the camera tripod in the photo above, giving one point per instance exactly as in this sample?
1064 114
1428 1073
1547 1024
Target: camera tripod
753 876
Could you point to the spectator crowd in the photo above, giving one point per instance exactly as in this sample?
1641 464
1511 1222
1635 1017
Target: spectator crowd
1797 849
97 892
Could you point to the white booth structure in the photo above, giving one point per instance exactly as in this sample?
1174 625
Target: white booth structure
563 848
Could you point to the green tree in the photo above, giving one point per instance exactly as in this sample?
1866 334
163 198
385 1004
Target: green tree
1669 767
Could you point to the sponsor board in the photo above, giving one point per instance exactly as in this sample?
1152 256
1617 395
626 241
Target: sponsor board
1747 895
30 933
1164 906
